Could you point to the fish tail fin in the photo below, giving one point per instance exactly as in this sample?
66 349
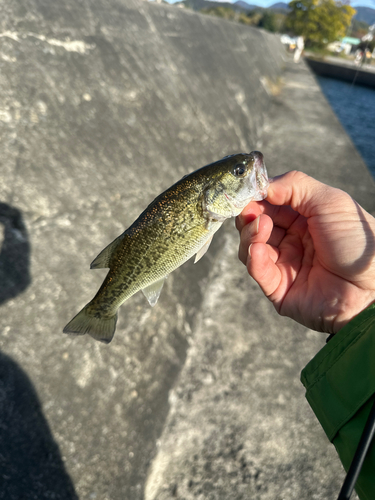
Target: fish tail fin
102 329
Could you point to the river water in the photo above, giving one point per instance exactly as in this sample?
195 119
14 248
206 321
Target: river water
354 105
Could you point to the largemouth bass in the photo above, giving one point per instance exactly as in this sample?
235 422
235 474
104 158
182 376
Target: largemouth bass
178 224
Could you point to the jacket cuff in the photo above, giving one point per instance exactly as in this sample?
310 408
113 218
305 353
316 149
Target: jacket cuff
341 377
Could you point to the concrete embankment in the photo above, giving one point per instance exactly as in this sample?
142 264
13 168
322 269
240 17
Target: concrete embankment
343 70
102 108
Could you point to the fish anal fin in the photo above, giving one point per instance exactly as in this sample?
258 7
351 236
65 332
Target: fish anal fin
152 292
203 250
103 259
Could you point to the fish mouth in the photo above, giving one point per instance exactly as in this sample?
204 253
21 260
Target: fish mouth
259 177
263 185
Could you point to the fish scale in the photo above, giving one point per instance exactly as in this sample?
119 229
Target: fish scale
177 225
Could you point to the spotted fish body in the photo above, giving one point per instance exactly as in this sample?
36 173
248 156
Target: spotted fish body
177 225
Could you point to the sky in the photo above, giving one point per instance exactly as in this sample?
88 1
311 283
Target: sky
268 3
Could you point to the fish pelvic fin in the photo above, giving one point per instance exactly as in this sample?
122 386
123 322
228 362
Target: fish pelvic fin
102 329
103 259
203 249
152 292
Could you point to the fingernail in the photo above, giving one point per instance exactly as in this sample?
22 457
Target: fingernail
254 227
257 224
249 250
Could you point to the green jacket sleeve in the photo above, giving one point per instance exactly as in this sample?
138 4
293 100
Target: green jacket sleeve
340 388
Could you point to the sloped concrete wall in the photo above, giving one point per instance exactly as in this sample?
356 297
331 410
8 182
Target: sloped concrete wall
103 104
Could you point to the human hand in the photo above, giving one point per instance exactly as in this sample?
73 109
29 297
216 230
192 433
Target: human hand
311 248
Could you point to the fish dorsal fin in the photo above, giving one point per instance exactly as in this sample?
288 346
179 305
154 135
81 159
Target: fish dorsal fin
103 259
152 292
203 250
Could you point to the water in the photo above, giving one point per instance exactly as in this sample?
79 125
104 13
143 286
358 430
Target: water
354 105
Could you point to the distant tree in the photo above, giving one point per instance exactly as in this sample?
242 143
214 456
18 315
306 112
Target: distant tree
358 28
254 17
224 12
268 21
280 19
244 18
229 13
319 21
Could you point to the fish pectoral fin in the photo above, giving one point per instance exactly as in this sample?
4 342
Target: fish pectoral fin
103 259
152 292
203 250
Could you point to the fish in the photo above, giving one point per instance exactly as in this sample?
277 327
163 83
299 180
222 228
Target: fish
177 225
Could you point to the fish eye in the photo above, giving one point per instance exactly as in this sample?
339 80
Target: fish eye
239 170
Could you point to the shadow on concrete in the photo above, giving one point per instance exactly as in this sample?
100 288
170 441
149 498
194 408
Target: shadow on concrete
14 253
30 462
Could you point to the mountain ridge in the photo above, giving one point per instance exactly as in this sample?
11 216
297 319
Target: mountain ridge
364 14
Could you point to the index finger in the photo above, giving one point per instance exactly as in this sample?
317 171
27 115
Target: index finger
303 193
282 216
288 196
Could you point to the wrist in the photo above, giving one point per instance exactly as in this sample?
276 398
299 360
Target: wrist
351 311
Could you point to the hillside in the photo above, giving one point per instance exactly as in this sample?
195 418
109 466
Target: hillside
280 6
246 6
207 4
365 14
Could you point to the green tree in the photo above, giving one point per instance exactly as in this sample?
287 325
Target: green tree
224 12
254 17
358 28
268 21
319 21
229 13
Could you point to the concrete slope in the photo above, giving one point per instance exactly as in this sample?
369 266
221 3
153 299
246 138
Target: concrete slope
102 107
